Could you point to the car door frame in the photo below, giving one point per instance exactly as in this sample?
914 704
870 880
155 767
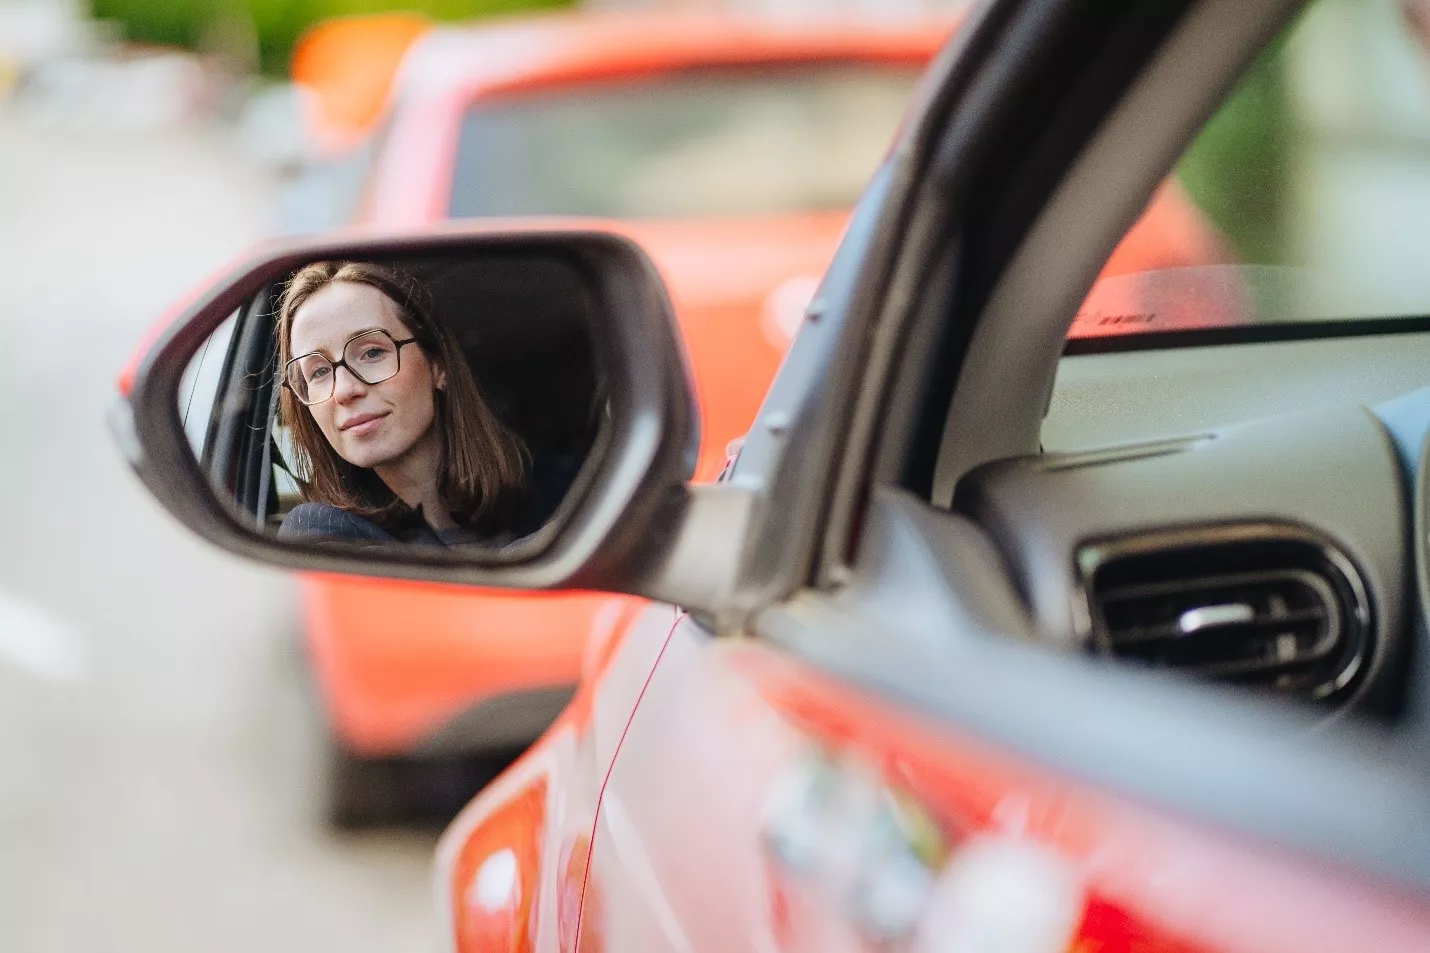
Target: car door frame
233 455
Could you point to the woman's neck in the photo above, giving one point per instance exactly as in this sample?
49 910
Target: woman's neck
413 478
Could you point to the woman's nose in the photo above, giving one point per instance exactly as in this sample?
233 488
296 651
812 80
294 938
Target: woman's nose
346 386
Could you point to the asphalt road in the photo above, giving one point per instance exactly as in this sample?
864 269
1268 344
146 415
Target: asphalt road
156 748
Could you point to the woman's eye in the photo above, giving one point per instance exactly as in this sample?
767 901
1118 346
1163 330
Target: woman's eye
373 353
318 373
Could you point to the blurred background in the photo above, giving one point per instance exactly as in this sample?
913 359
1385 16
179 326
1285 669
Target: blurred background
160 741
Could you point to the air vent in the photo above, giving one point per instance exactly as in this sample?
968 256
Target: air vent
1268 606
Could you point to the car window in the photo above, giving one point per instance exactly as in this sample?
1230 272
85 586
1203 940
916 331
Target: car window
200 383
1306 198
696 143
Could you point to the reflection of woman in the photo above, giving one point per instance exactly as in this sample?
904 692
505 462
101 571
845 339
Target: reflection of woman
392 439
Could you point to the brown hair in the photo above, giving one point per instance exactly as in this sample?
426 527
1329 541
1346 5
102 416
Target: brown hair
483 463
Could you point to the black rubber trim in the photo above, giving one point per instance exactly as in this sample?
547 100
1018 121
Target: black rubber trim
1248 334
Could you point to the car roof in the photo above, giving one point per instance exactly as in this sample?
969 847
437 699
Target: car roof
555 49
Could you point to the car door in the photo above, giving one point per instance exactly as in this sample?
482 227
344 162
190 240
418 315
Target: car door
849 763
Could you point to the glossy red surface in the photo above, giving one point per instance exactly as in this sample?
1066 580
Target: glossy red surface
495 876
708 834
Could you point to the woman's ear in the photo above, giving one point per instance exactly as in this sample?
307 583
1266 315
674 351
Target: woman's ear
439 377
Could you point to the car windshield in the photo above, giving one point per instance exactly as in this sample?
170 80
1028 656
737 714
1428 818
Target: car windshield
698 143
1306 198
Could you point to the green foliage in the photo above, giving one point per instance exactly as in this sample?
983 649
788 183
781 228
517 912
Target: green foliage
277 24
1238 171
171 22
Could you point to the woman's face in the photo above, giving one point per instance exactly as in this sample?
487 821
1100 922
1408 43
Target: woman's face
368 425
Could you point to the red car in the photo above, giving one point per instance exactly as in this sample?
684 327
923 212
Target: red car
988 640
735 148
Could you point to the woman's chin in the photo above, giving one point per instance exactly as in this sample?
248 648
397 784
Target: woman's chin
365 457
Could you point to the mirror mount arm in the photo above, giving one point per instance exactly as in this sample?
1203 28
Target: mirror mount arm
699 567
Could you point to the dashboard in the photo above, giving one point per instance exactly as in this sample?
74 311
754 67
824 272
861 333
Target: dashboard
1243 513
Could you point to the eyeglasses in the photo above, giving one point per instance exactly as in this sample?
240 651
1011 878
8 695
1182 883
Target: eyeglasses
372 357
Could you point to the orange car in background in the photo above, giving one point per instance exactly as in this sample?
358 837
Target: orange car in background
347 65
703 135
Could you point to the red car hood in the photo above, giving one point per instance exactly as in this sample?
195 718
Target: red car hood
738 262
740 289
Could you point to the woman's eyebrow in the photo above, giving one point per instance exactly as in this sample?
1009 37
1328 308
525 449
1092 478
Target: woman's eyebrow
346 340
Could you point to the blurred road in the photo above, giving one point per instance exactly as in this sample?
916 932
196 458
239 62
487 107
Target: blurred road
155 745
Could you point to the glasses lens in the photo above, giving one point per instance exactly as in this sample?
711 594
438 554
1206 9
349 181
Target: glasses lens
373 356
311 377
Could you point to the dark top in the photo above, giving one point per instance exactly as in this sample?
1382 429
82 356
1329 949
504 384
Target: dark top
550 477
322 520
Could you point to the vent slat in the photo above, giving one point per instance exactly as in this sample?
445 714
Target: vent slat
1172 632
1268 660
1201 584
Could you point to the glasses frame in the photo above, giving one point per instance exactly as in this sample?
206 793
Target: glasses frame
343 363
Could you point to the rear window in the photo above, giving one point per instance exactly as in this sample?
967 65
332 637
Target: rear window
703 143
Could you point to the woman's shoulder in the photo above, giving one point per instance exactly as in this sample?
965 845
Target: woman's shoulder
324 519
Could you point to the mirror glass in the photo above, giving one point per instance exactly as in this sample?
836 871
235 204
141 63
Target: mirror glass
443 401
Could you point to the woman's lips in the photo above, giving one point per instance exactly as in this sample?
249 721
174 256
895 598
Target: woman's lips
362 424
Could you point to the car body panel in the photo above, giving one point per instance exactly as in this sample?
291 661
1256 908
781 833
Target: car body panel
557 784
499 645
812 799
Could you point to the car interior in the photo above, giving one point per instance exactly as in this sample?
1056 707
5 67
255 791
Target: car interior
1233 489
528 345
1169 521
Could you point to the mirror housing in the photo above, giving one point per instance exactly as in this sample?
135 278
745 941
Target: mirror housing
618 528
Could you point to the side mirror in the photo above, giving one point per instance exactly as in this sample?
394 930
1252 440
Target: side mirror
497 408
